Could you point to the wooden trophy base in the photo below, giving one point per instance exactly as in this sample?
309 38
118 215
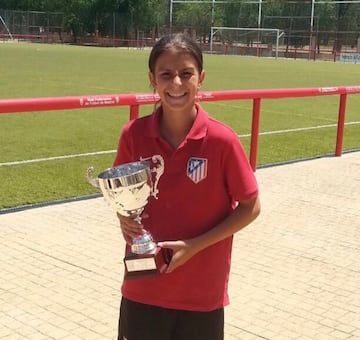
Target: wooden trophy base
150 263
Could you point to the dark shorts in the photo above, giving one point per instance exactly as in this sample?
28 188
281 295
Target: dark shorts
145 322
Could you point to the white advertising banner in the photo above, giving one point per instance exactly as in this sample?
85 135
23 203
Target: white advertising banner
349 57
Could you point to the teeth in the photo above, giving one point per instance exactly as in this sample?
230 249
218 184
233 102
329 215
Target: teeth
176 95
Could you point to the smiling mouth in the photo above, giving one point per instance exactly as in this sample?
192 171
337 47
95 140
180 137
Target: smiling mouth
176 95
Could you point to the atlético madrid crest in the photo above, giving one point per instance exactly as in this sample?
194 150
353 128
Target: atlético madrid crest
197 169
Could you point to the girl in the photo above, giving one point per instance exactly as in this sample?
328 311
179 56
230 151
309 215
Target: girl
206 193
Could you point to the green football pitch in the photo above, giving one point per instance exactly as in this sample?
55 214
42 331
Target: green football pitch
44 154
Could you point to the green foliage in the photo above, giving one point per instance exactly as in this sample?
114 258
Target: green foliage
89 16
198 15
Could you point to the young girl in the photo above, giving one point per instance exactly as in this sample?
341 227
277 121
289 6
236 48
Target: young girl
206 193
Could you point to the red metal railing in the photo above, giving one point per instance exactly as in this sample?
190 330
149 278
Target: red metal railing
137 99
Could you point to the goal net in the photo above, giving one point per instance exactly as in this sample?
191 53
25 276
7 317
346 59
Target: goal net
261 42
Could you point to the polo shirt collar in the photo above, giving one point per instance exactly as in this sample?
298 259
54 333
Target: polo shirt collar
197 131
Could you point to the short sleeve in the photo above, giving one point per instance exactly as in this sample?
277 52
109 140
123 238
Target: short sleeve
239 176
124 152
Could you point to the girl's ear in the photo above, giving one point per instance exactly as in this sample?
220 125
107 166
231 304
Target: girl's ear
201 77
152 80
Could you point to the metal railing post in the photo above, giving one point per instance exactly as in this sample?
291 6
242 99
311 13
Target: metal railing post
254 132
341 124
134 112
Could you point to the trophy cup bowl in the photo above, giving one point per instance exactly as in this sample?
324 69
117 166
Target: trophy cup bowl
127 188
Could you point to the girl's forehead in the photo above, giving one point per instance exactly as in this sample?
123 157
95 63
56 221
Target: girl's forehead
175 57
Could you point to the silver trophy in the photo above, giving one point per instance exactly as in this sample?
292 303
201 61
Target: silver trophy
127 188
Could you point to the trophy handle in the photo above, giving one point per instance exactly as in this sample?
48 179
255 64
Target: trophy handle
159 170
90 177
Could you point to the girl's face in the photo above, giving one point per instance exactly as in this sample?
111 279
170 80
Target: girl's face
176 79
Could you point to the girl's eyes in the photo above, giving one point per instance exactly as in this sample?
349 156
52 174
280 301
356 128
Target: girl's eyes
186 75
165 75
182 75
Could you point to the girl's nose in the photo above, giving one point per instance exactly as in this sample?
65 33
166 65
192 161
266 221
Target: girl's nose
177 79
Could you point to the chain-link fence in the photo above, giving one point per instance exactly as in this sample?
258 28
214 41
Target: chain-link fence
308 29
30 25
324 31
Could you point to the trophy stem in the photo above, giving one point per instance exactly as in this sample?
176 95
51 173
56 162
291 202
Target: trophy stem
143 243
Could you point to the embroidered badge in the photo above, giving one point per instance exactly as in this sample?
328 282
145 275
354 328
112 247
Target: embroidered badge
197 169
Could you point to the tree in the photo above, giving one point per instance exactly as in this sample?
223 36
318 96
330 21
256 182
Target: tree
347 19
126 17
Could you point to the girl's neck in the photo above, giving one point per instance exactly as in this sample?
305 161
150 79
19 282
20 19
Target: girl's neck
174 126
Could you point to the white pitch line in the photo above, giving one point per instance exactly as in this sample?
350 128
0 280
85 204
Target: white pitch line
45 159
275 132
37 160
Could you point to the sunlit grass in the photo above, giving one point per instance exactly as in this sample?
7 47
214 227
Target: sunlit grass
40 70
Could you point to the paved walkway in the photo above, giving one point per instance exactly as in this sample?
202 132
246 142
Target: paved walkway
295 272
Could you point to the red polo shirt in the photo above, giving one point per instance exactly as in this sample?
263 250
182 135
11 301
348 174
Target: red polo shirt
202 180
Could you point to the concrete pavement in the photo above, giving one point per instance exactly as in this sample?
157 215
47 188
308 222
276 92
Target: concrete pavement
295 270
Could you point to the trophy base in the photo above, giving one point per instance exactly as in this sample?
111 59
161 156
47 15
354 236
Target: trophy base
148 264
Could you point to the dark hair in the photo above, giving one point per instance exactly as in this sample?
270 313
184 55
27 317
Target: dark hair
181 42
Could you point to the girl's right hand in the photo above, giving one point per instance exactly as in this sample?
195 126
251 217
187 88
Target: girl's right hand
129 228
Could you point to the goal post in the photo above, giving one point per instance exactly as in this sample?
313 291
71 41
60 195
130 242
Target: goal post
2 21
259 38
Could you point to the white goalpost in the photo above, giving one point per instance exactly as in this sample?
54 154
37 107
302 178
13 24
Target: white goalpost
6 27
242 37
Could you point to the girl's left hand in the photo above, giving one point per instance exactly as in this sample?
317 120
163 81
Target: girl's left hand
129 228
182 251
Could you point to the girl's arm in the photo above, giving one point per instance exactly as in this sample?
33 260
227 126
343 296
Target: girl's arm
183 250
